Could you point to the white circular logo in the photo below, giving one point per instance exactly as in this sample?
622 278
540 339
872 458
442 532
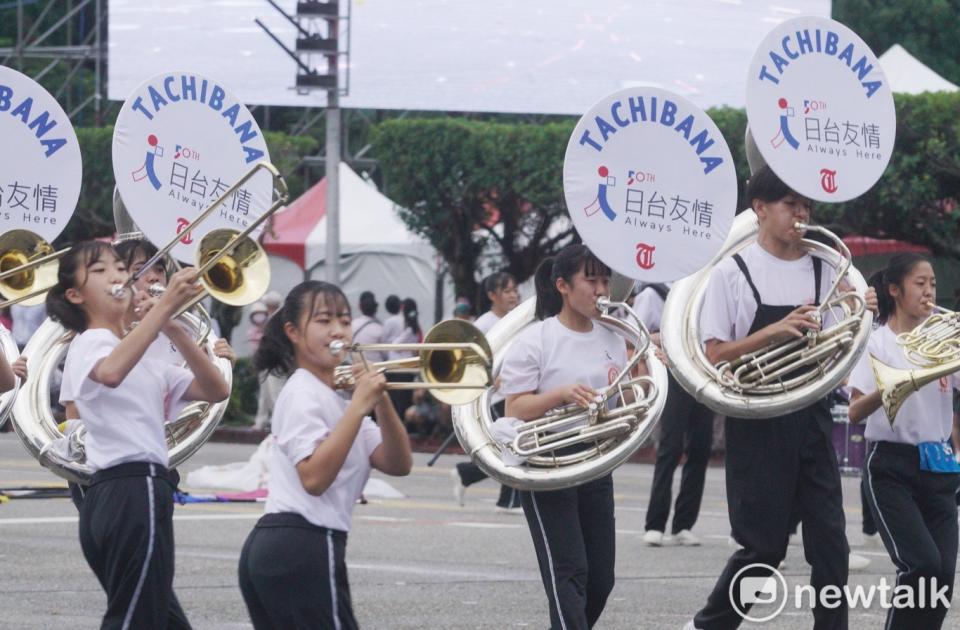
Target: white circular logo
180 141
40 169
821 109
766 590
650 184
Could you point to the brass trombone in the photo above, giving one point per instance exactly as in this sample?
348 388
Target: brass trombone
231 266
933 346
454 362
26 263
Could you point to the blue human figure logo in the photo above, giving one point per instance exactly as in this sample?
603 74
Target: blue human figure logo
600 201
784 134
147 170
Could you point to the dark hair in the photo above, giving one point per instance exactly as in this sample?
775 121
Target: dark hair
275 353
129 251
565 264
491 284
766 186
81 256
392 304
898 268
410 315
368 303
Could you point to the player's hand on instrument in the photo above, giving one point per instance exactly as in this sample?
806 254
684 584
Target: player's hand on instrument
795 325
368 389
871 302
19 367
223 350
182 288
577 394
143 302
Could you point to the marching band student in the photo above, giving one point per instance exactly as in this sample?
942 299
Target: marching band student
501 293
293 572
567 358
911 475
134 254
776 465
686 427
126 519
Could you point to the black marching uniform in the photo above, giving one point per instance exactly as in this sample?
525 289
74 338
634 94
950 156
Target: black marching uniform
911 497
686 427
774 466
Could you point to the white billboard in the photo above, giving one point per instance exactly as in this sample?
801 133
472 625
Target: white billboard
527 56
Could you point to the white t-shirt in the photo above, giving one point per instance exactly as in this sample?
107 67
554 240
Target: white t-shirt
124 423
547 354
648 305
392 327
162 349
486 321
927 414
729 306
406 335
370 331
306 412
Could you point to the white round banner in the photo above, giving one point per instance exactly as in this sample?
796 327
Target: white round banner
650 184
40 169
180 141
821 109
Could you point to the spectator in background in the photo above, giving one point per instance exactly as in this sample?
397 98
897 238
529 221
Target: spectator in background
258 320
227 317
393 324
462 311
367 328
410 333
26 320
273 302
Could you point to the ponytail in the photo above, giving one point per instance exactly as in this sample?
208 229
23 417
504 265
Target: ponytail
570 260
276 354
549 300
410 319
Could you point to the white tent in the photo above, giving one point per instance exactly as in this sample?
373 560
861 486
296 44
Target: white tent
908 75
377 251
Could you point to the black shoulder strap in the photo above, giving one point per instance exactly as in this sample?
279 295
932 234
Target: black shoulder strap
746 273
371 321
817 266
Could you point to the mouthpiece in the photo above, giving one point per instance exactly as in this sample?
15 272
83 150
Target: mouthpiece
337 347
117 291
800 227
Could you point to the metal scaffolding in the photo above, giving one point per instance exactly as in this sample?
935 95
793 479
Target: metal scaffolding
73 46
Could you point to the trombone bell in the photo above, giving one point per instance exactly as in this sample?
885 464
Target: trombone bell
454 362
237 278
27 269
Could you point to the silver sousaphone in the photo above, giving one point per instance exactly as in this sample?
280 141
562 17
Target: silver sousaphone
573 445
787 118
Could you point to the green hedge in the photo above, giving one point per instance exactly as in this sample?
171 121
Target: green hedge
94 214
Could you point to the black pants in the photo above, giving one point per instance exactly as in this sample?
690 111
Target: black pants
869 525
401 398
685 425
293 575
774 465
574 536
126 533
470 474
916 514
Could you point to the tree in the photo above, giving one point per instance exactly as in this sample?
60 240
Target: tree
928 29
469 184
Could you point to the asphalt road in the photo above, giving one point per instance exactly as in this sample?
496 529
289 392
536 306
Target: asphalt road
417 562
